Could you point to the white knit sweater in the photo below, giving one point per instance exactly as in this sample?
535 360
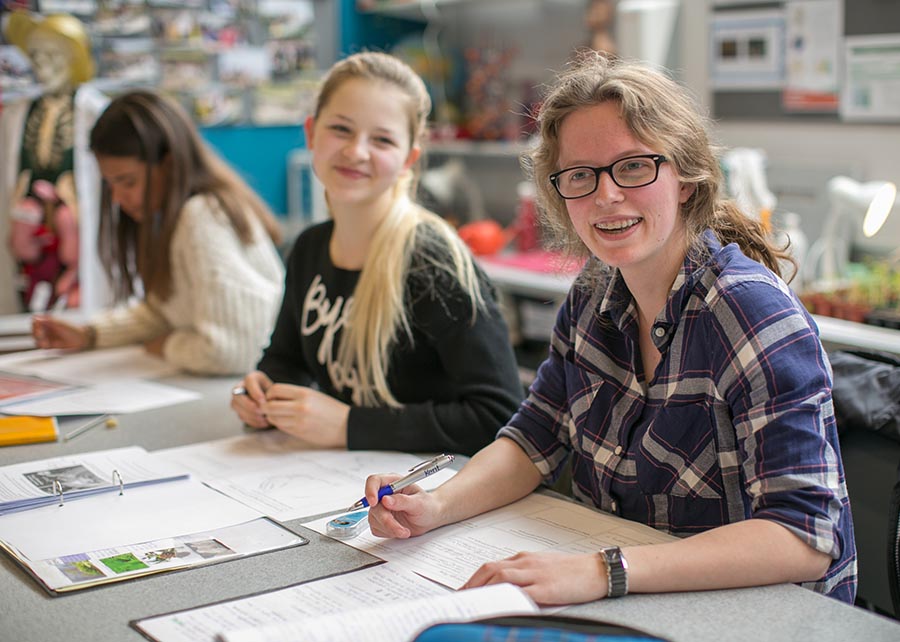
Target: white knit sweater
223 301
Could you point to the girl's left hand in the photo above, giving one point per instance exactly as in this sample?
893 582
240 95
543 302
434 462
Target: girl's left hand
308 414
548 578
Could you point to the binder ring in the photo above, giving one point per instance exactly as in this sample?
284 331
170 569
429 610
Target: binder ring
116 475
58 489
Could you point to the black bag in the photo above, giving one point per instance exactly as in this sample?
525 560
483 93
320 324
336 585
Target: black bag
534 628
867 392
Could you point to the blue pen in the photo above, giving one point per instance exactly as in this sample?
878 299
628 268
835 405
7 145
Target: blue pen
416 473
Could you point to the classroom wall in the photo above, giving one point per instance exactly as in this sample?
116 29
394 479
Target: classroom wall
802 154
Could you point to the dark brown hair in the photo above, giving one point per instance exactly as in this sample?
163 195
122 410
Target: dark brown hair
153 129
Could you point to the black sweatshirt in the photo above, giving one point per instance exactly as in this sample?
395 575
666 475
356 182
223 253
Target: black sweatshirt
457 379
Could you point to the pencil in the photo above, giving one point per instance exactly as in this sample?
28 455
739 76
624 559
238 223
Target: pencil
93 423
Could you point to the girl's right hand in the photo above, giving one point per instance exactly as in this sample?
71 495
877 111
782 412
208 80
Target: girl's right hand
247 406
53 333
407 513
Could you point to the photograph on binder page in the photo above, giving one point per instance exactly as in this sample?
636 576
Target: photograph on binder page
136 532
62 479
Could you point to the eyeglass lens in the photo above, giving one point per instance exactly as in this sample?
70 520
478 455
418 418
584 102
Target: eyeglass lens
635 171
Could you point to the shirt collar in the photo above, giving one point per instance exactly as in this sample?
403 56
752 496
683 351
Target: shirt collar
617 303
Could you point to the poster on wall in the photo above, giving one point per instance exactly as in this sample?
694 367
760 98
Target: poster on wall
871 88
747 50
814 33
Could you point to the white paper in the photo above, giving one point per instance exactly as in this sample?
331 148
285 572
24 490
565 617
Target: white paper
108 520
91 366
395 622
339 594
450 555
113 397
283 478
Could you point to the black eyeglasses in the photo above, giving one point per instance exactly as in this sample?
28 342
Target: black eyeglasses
633 171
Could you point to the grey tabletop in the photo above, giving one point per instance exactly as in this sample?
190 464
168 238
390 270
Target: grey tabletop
29 614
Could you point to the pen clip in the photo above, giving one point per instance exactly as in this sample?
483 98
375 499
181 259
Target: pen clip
428 463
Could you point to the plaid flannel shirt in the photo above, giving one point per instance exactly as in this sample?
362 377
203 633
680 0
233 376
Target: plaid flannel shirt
737 422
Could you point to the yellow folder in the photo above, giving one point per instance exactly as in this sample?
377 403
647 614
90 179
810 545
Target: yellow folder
27 430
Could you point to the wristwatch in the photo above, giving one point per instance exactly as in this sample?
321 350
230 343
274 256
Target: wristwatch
616 571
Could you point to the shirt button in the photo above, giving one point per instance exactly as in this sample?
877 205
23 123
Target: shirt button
659 331
618 450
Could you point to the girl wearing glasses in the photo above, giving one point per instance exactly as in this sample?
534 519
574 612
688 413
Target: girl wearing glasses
685 386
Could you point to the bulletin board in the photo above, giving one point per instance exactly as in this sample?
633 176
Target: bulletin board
750 88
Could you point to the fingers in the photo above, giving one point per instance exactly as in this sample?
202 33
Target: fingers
508 570
374 483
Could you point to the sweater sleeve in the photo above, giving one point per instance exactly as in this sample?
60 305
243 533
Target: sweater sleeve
134 323
234 292
480 367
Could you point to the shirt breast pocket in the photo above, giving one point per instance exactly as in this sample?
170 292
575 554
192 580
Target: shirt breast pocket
678 456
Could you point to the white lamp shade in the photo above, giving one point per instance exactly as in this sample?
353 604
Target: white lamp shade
874 199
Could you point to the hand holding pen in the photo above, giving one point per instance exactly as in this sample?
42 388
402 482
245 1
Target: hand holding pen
416 474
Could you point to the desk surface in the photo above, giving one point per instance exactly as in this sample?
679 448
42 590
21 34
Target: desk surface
29 614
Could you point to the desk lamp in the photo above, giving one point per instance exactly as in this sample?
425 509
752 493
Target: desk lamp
849 199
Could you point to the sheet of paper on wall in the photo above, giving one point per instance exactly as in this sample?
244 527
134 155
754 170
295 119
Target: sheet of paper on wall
538 522
372 593
113 397
285 478
91 366
871 77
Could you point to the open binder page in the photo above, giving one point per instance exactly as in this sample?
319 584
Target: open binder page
284 477
144 530
451 554
46 481
344 596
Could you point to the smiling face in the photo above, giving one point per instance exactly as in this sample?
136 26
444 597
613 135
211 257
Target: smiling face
638 230
126 177
361 142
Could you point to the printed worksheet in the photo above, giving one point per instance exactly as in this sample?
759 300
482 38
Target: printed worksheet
377 594
285 478
451 554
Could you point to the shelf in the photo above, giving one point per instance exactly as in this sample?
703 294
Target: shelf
831 331
423 9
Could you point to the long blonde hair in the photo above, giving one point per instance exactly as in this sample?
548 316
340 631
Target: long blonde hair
379 314
663 115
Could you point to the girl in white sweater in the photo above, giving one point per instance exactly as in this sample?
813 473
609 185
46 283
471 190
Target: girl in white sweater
188 246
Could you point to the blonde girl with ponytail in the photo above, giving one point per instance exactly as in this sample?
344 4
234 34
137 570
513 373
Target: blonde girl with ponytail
389 337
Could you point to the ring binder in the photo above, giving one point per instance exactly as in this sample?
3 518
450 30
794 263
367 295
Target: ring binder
115 474
57 488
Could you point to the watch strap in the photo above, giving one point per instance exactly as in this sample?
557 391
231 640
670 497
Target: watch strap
616 571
